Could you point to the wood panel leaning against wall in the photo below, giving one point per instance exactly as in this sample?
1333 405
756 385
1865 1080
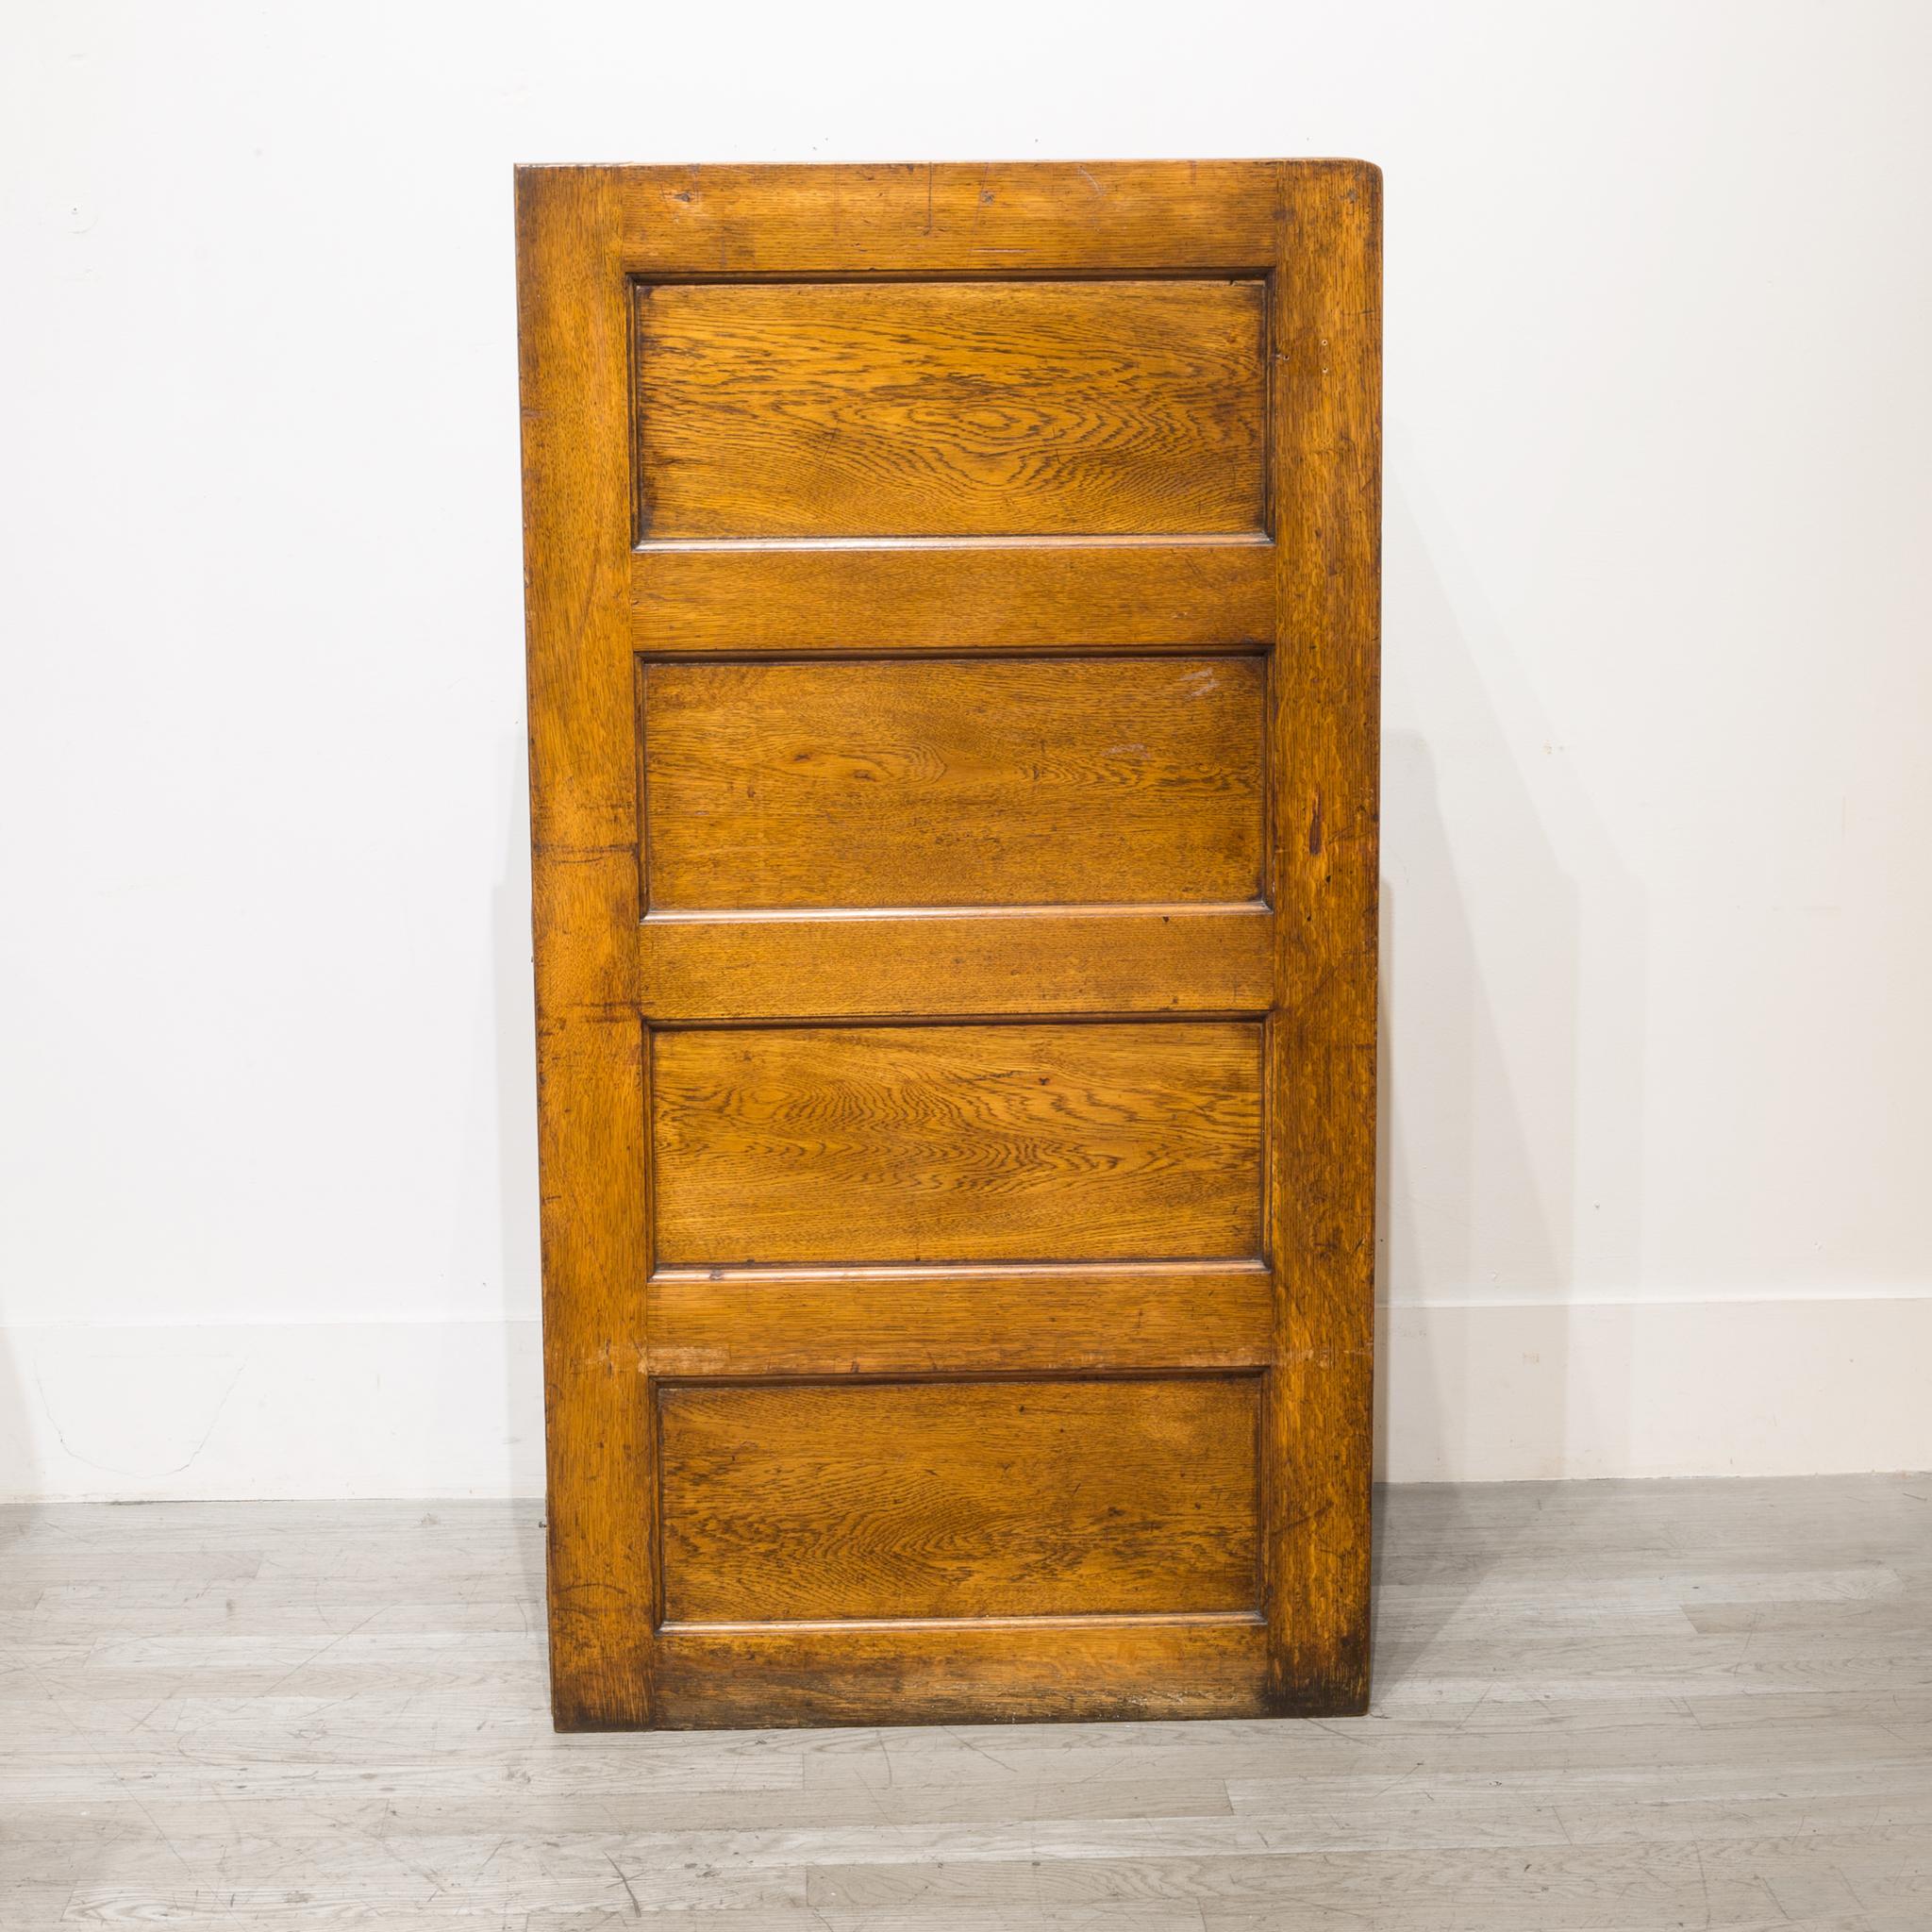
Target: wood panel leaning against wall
951 599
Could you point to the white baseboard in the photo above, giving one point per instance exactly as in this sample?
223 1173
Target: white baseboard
1476 1394
309 1408
1502 1392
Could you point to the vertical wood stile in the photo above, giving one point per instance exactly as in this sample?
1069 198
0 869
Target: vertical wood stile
574 323
1326 399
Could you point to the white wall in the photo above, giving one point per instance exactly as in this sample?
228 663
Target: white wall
1658 679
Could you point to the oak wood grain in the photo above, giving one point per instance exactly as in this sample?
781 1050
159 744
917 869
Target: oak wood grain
955 782
898 443
1321 1042
1096 1315
989 961
958 1142
592 1153
933 596
959 1499
969 1671
949 409
951 218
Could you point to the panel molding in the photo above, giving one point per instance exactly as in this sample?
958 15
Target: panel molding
760 412
839 1626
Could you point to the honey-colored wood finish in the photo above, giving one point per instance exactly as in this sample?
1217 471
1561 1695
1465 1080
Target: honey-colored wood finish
1087 960
950 408
930 597
949 1143
879 782
952 601
1034 1498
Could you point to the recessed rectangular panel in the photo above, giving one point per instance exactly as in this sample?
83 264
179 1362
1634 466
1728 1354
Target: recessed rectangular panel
961 1499
958 1142
812 409
953 782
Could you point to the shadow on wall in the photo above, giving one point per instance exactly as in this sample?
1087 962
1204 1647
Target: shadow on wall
503 1166
515 1009
1511 1057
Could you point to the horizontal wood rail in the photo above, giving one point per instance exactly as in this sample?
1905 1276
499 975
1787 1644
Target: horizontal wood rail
1080 1316
1197 593
935 1672
955 962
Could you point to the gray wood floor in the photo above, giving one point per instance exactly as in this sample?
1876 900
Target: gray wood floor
1614 1706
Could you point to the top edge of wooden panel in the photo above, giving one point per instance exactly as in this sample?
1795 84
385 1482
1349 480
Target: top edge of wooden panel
958 217
650 174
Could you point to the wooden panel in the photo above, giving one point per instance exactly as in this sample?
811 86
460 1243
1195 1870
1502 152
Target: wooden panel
953 782
956 409
925 597
952 217
1233 516
957 1143
1169 960
959 1499
905 1672
899 1321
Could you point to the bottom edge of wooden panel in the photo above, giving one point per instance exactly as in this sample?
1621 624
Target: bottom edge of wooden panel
751 1676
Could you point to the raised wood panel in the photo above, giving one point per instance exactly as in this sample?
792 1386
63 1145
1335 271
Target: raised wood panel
959 1499
958 1142
1198 593
992 960
952 409
901 1320
953 782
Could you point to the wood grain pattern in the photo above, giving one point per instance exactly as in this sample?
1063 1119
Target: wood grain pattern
954 596
592 1153
953 782
1094 1315
1144 1668
1321 1042
958 1142
950 408
991 960
892 438
953 217
959 1499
